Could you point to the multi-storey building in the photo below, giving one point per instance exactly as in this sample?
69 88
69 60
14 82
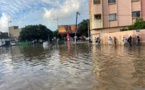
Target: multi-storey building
112 15
14 32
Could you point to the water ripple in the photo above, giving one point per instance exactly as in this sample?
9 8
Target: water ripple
75 67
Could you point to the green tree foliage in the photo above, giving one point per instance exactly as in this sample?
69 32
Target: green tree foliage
124 29
35 32
83 28
139 24
55 33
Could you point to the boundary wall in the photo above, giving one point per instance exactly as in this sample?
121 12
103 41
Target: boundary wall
119 35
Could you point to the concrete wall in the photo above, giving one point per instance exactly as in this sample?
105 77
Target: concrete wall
105 13
97 33
124 12
97 9
90 13
136 6
143 9
119 35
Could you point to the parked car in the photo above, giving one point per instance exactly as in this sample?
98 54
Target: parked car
13 43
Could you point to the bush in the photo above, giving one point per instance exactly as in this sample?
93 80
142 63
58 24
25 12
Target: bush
123 29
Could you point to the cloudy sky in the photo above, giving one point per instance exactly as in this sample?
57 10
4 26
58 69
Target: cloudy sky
32 12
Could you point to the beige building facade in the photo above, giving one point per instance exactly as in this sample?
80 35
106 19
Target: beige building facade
14 32
107 16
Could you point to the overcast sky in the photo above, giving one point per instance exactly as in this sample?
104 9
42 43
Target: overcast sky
32 12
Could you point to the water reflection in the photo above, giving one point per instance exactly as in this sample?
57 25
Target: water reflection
116 68
72 67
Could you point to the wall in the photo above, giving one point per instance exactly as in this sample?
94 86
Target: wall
143 9
97 33
119 35
136 5
124 12
105 12
90 13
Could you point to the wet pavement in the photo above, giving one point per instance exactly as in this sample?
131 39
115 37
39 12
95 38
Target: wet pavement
72 67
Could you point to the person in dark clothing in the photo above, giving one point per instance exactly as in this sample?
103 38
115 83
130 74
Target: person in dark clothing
138 41
115 41
130 41
98 40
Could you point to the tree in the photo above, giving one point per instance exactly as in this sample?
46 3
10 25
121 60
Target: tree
35 32
55 33
139 24
83 28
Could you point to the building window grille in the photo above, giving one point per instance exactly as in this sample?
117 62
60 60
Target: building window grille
111 1
112 17
97 1
136 14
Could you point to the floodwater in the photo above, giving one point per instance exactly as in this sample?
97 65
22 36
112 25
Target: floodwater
72 67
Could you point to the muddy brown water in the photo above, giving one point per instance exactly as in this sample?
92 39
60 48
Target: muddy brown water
72 67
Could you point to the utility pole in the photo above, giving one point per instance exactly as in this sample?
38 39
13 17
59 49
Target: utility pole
9 29
57 19
76 25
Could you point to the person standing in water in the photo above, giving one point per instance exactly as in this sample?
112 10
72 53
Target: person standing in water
115 41
110 41
138 41
124 41
130 41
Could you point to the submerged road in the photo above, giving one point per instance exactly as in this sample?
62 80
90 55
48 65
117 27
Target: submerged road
72 67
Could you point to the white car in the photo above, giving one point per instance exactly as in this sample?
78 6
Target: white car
87 38
13 43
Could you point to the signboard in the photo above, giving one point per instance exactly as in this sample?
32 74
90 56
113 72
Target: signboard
64 29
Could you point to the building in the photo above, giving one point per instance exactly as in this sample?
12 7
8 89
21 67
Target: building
14 32
112 15
3 35
4 39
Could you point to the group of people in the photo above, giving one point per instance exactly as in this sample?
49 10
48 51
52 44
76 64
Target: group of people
130 40
126 41
110 41
98 40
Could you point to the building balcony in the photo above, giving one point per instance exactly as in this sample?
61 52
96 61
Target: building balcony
97 24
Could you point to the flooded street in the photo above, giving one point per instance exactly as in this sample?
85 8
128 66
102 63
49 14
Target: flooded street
72 67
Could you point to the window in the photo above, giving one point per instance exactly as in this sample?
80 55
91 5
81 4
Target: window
136 14
97 16
111 1
112 17
97 1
